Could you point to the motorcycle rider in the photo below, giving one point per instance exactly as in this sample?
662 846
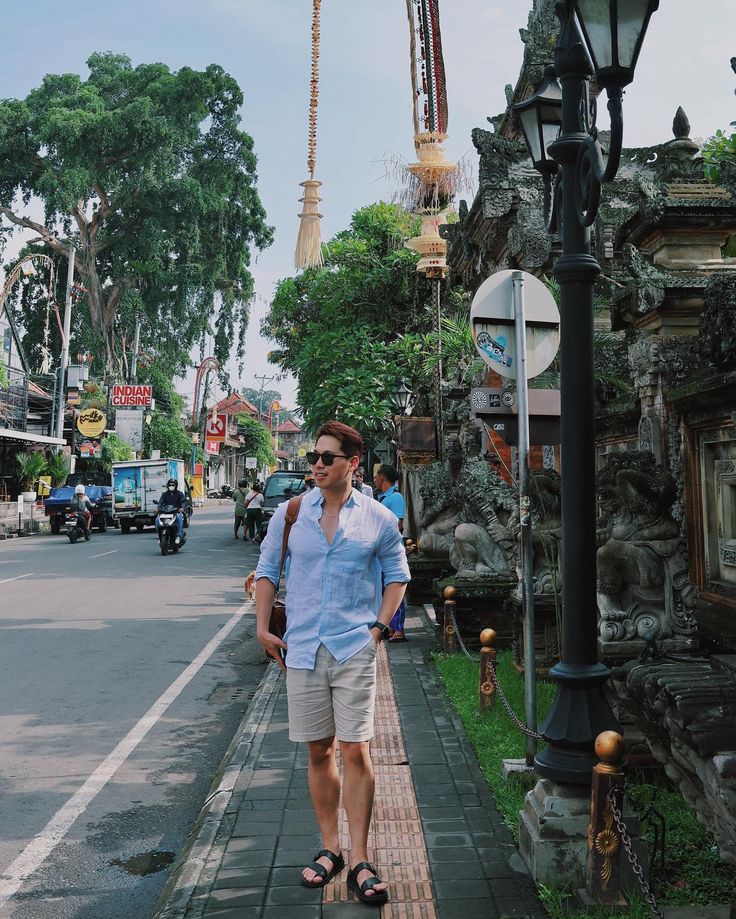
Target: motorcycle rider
173 500
81 505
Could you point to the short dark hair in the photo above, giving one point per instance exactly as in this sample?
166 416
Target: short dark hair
389 472
350 440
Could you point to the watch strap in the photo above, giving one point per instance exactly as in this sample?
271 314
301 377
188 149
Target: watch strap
385 630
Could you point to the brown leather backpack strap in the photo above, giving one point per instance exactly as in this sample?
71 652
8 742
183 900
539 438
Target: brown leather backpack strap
292 512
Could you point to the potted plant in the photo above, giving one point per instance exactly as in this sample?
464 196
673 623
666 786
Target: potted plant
30 467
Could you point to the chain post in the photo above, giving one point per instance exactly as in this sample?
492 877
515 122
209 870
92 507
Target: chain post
486 687
449 630
603 876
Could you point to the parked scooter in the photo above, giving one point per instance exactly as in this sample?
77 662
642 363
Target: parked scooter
224 491
166 527
76 527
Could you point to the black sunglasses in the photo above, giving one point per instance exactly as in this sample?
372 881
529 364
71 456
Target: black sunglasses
327 458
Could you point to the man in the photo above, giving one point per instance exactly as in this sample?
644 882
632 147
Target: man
335 622
80 504
240 497
359 482
175 500
390 496
309 482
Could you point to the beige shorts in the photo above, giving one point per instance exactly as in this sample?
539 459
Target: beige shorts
333 700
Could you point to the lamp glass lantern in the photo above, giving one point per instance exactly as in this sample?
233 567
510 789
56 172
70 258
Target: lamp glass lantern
401 398
613 32
540 117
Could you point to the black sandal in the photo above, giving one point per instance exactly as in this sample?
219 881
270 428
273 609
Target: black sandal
379 897
338 863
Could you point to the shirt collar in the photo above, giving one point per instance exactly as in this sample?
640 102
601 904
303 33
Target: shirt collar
390 490
355 498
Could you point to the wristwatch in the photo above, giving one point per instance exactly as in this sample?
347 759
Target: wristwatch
385 630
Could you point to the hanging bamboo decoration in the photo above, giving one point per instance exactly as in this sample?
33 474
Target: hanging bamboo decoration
308 243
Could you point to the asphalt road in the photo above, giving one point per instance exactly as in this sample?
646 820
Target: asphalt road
123 677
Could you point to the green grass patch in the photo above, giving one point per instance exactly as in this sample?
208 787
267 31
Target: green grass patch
493 735
693 873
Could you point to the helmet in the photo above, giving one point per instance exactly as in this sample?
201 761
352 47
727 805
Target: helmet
79 490
242 483
173 482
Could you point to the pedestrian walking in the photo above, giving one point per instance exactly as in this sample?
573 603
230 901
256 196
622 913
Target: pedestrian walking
390 496
240 496
254 512
336 618
359 482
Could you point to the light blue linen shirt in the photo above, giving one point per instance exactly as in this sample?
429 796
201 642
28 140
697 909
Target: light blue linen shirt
333 591
394 501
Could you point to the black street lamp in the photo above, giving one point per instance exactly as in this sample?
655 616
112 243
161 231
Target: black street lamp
601 38
401 398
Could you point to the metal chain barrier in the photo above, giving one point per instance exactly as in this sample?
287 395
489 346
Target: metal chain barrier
494 676
631 855
509 710
475 658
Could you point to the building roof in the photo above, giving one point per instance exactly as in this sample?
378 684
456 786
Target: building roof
282 454
289 427
235 404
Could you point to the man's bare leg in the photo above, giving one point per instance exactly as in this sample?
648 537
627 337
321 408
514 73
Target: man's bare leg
357 793
324 787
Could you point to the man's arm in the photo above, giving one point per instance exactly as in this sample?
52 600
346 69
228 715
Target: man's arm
392 557
268 575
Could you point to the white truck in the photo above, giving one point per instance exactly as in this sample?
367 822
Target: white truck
138 484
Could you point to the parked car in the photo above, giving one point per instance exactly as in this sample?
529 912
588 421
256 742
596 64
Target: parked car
280 487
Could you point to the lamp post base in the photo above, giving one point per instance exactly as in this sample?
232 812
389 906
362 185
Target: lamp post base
579 713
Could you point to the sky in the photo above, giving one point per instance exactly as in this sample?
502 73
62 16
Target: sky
365 101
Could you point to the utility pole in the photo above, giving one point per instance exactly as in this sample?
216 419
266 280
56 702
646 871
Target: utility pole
61 390
264 379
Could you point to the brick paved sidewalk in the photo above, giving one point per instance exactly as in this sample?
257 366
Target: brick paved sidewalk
437 839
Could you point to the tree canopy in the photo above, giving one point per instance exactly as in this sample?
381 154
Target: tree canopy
149 174
335 327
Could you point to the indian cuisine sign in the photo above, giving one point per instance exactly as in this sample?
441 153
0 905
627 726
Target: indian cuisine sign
126 395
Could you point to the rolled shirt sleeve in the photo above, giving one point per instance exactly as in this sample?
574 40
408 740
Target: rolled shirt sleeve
269 562
392 555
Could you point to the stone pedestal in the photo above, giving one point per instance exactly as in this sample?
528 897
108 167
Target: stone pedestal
481 603
424 572
553 831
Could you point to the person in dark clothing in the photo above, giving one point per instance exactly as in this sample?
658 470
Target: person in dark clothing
80 504
173 500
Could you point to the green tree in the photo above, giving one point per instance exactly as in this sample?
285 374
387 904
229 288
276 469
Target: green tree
148 172
167 435
369 279
257 440
336 327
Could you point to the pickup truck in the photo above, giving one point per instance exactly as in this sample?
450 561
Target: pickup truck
56 504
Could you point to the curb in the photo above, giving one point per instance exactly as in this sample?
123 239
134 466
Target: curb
196 868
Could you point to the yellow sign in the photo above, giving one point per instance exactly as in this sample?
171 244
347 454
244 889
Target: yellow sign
275 406
44 486
91 422
301 452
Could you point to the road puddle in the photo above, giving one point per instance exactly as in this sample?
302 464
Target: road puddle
146 863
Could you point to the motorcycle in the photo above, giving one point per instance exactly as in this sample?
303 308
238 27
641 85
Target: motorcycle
166 528
224 491
76 526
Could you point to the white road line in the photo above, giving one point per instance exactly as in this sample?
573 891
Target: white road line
44 843
17 577
104 553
